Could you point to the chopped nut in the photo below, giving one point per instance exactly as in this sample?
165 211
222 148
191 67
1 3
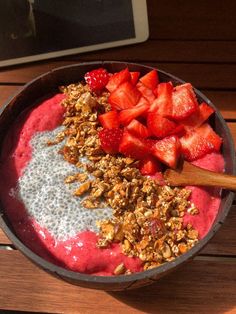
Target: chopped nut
120 269
182 247
192 234
166 251
82 189
97 173
81 177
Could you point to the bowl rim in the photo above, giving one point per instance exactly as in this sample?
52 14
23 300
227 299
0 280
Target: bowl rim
147 274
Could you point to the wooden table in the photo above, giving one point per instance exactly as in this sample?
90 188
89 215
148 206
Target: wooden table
196 42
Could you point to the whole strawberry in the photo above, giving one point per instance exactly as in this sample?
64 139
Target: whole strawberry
97 79
110 140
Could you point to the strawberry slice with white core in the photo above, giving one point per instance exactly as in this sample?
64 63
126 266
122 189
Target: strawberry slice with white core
163 102
150 80
184 102
159 125
138 129
110 140
109 120
134 77
146 92
127 115
117 79
206 131
149 166
198 117
168 150
134 147
195 146
124 97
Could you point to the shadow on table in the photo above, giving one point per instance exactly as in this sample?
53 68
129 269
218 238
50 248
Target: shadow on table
197 286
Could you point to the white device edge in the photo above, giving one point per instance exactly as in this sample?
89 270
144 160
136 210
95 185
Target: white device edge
141 34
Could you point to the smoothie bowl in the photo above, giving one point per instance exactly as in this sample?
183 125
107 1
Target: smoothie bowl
83 151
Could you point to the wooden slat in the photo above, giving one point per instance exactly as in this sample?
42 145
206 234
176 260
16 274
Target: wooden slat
224 242
179 19
203 76
24 287
224 101
6 92
3 238
167 51
232 127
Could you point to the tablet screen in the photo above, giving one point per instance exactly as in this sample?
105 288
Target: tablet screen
34 27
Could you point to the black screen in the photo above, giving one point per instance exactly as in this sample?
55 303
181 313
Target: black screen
32 27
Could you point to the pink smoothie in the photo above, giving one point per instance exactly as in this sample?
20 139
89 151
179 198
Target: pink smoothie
207 200
78 253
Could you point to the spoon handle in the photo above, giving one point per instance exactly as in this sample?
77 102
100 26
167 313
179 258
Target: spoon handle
192 175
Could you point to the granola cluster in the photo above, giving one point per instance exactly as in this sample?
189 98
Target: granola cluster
147 218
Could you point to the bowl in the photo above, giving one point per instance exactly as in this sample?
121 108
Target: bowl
47 84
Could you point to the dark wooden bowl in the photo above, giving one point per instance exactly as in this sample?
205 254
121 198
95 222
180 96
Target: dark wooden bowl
47 84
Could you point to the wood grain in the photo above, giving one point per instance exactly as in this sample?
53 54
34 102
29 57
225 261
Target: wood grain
224 242
27 287
6 92
224 101
187 20
3 238
190 174
232 127
167 51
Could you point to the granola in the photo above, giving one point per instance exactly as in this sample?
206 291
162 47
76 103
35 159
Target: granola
147 218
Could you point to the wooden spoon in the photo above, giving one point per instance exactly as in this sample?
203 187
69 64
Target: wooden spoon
188 174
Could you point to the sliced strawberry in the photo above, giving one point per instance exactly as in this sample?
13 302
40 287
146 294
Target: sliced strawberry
206 131
163 102
149 166
138 129
109 120
195 146
160 126
134 147
146 92
97 79
150 142
124 97
127 115
143 101
184 102
167 150
150 80
110 140
117 79
134 77
197 118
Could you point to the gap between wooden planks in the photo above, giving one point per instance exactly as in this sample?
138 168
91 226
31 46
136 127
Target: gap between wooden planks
182 291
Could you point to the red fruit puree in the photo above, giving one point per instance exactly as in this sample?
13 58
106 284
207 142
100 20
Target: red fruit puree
79 253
